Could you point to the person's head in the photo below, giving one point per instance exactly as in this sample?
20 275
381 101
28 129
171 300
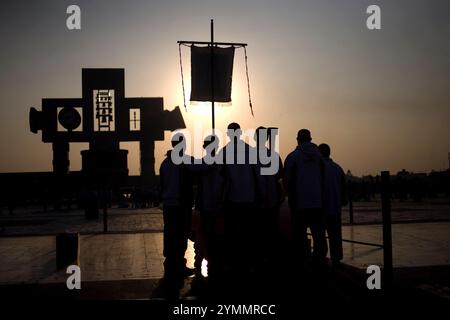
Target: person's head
234 131
325 150
303 135
179 139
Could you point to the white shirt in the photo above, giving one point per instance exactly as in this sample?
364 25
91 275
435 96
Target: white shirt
212 187
240 177
303 172
333 184
268 190
169 174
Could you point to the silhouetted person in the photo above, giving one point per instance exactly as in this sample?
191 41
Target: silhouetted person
269 196
176 189
208 201
303 179
239 200
334 197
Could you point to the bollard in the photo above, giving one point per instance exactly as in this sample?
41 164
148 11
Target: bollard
67 249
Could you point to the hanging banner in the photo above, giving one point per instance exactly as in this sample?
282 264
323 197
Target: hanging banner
201 73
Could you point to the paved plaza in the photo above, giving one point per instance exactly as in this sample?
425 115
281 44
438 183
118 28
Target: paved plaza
52 222
131 252
105 257
33 221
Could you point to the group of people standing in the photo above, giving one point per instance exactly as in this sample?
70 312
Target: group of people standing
316 188
235 205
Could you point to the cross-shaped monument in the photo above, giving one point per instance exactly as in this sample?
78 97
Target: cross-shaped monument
103 117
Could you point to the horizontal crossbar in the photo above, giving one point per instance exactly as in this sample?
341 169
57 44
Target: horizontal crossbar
359 242
234 44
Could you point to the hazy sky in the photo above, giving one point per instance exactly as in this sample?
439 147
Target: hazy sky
381 99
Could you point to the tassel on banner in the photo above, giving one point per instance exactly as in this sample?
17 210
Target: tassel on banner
182 77
201 74
248 82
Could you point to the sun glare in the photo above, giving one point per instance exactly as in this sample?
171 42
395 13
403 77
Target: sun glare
204 107
202 110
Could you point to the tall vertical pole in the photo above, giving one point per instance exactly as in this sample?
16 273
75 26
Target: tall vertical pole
387 232
212 75
350 201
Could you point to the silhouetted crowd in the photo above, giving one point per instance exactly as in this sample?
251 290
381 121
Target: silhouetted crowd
231 210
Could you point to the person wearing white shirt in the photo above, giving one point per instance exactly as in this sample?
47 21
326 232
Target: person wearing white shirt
269 197
207 204
303 179
335 196
177 197
239 200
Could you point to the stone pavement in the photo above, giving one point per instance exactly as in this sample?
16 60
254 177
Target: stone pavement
368 212
103 257
28 221
129 258
414 244
106 257
44 223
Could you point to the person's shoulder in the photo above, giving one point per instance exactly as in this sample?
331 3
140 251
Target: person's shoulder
165 161
164 165
314 148
291 158
292 154
336 165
